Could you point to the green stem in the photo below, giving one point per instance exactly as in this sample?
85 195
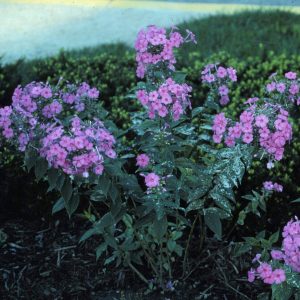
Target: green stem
187 246
161 266
138 273
202 237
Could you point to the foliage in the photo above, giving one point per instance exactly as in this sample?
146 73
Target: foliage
146 215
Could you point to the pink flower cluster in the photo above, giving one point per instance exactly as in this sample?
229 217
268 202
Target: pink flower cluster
171 98
37 118
288 88
291 244
79 149
272 186
219 127
155 45
218 78
252 121
267 274
41 100
5 122
289 255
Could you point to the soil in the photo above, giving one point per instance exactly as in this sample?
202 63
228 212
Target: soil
40 257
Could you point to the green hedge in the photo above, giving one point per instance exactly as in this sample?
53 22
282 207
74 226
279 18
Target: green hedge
114 76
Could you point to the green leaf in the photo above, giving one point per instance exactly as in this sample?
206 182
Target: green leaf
30 159
144 220
212 220
219 199
178 250
114 193
100 249
196 111
72 204
179 77
171 245
60 181
104 184
292 278
98 228
67 190
111 241
241 248
88 234
109 260
296 201
58 206
281 291
274 237
160 227
40 169
130 183
52 176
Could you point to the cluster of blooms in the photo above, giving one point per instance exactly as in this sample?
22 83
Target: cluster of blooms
170 98
289 255
37 118
79 149
253 120
152 180
267 274
288 88
5 122
155 45
291 245
219 78
272 186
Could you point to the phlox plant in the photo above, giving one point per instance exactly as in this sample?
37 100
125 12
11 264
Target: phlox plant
280 267
147 199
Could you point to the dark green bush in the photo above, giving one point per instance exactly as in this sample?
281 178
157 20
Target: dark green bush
114 76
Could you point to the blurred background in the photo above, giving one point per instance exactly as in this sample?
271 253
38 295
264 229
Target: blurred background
33 28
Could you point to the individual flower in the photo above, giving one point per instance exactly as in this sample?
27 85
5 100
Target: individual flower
290 75
142 160
279 276
251 275
277 255
152 180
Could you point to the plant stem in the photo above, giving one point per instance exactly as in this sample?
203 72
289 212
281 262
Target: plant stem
138 273
187 246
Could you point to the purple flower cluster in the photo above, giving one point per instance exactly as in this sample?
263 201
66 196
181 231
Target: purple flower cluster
37 118
267 274
171 98
289 255
219 78
291 244
5 122
272 186
79 149
252 121
288 88
155 45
